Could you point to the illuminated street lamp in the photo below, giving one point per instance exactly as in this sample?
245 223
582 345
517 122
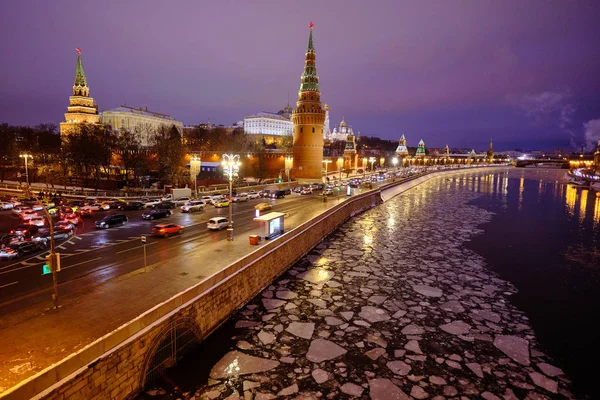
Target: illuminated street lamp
26 156
372 160
340 165
231 167
326 162
195 170
289 161
395 162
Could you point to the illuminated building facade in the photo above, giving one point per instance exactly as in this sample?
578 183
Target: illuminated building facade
402 150
271 124
139 121
326 128
82 108
341 132
420 150
490 153
309 120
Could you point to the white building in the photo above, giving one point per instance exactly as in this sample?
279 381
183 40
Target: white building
341 132
272 124
138 121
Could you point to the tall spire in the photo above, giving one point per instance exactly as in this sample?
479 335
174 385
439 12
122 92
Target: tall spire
310 79
310 40
80 87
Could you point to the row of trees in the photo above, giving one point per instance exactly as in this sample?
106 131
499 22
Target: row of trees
96 152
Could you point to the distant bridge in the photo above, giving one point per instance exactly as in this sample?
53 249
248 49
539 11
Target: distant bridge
523 163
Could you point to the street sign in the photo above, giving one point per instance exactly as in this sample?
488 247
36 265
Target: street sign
143 237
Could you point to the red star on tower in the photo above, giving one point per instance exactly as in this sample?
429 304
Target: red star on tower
311 25
78 50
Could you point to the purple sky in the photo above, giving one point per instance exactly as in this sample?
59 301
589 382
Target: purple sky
525 73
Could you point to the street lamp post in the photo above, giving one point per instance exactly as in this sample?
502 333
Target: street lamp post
372 160
395 163
195 170
231 166
340 164
326 162
26 156
289 161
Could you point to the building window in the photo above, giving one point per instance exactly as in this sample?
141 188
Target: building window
313 130
301 129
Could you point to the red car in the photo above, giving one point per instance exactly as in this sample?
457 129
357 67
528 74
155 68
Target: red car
166 230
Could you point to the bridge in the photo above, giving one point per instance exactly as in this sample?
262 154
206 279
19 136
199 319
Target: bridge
553 162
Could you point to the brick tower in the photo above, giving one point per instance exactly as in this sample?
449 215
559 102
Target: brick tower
309 120
82 107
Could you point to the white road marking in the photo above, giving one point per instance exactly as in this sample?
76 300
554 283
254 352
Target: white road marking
61 247
137 247
83 262
77 237
9 284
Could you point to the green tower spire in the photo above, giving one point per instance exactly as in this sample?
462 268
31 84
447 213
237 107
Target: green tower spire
80 87
310 79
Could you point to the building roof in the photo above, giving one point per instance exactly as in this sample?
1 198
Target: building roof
141 111
268 115
80 79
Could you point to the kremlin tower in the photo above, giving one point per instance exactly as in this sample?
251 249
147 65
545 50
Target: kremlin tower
490 153
81 106
309 120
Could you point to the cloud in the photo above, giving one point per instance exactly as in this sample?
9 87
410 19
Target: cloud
549 108
591 133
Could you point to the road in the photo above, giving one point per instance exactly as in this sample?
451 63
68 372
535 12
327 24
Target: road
93 256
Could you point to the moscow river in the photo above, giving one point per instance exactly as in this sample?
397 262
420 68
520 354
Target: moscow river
479 284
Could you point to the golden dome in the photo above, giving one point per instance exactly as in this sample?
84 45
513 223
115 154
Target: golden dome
343 123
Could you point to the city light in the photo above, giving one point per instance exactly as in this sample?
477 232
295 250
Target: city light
26 156
231 165
195 170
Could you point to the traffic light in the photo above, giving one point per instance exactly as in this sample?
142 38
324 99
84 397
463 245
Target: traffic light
47 268
51 260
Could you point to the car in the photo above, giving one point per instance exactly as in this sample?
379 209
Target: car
37 207
71 218
59 234
132 205
151 203
24 230
240 198
217 223
28 214
10 239
23 248
215 198
180 201
166 230
111 220
37 221
307 190
222 203
264 193
327 192
156 213
263 206
166 205
48 204
193 206
85 212
96 207
64 225
117 204
17 210
8 253
6 205
167 197
253 194
297 189
277 194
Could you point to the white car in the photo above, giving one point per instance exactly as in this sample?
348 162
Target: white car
28 214
215 198
168 197
180 201
6 206
193 206
19 210
37 221
96 207
240 197
217 223
37 207
152 203
253 195
71 218
206 199
64 225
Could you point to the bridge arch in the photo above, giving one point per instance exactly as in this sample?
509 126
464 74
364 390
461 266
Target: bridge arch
168 347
